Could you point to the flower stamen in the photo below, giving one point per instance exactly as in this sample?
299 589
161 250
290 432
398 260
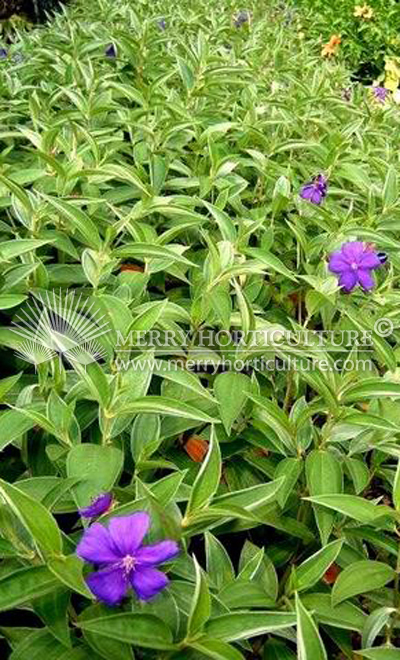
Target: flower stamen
128 564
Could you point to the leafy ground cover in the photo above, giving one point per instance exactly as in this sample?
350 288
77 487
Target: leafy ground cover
184 176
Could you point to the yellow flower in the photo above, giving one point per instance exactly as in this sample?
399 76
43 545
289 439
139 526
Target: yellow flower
331 47
363 11
392 75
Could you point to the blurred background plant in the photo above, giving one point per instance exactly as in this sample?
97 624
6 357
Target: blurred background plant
370 31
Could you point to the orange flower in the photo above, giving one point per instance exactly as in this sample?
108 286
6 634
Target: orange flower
196 448
331 47
331 574
131 267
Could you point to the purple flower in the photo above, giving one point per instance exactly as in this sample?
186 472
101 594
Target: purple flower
353 263
99 505
162 24
346 94
122 559
111 51
380 93
3 54
242 17
316 190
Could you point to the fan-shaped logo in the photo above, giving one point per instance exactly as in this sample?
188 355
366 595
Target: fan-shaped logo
66 326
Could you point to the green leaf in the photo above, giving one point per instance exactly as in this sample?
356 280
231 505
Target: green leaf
309 643
345 615
380 653
145 436
290 469
271 415
271 262
11 249
396 487
185 378
390 189
145 251
96 380
324 475
224 222
97 467
200 607
374 574
252 498
6 384
355 507
374 624
371 388
164 406
52 609
8 300
207 480
216 649
13 424
243 624
230 389
35 518
313 568
219 565
144 630
24 585
79 220
38 644
69 571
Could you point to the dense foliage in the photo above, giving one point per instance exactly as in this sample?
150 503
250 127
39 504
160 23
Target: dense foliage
152 157
369 31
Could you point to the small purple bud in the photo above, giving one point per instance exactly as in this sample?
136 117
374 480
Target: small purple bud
100 505
3 54
111 51
346 94
162 24
242 17
380 93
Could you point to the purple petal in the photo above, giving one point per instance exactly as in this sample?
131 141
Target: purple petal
100 505
307 191
317 197
353 250
365 279
321 179
348 280
128 532
97 547
111 51
370 260
109 585
151 555
338 263
147 582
